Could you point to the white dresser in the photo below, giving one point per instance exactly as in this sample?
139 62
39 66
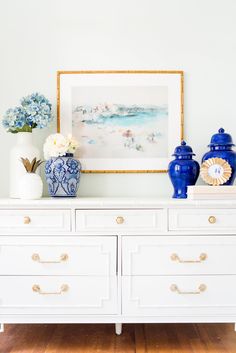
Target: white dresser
98 260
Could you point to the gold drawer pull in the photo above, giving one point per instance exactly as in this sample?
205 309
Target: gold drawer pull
27 220
63 258
212 219
64 288
201 288
202 257
120 220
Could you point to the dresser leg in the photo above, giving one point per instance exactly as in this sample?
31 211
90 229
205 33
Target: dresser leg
118 329
1 327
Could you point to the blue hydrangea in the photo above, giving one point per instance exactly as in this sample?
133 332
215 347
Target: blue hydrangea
35 112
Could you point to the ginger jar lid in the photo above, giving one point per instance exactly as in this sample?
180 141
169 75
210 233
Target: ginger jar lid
221 139
183 150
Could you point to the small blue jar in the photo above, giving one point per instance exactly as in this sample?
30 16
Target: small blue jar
221 146
63 175
183 170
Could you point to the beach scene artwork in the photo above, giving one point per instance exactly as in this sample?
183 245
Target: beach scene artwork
121 122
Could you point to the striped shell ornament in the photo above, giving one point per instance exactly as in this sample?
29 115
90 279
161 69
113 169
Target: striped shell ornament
215 171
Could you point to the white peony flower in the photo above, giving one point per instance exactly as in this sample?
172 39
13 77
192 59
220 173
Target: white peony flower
57 145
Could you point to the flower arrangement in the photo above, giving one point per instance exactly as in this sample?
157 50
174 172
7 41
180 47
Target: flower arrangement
58 145
32 166
35 111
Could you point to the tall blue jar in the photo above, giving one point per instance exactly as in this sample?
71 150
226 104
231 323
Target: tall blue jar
221 146
183 170
63 175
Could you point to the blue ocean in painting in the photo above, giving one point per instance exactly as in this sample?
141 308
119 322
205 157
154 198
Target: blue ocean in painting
120 115
122 130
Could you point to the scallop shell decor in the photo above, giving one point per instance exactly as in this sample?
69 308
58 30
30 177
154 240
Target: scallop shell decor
215 171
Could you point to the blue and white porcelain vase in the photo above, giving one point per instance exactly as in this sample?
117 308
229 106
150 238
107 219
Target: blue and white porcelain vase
63 175
183 170
221 146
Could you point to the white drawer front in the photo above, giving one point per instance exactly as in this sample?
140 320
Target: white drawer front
120 220
162 295
202 219
35 220
166 255
88 256
74 295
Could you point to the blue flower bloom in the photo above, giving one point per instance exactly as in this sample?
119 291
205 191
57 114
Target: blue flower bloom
35 112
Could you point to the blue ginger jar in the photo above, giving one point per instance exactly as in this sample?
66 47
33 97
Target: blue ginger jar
183 170
221 146
63 175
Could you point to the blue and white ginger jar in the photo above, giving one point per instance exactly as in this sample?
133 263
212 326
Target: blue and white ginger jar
63 175
183 170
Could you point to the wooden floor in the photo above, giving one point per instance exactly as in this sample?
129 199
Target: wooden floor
158 338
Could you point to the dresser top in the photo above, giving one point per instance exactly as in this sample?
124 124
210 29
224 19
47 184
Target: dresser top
113 202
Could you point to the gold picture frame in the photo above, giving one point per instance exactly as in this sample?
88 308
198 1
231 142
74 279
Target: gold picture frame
125 72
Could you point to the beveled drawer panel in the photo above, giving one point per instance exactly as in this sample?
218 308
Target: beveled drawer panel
35 220
119 220
202 219
87 256
152 296
176 255
58 295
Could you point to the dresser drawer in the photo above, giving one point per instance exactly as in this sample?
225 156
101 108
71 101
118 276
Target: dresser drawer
58 295
85 256
167 295
176 255
202 219
35 220
120 220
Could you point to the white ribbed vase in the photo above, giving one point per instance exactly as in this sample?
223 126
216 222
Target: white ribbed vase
24 148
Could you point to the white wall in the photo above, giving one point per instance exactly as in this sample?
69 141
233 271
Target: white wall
37 38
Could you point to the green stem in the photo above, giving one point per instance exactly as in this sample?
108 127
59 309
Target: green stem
25 128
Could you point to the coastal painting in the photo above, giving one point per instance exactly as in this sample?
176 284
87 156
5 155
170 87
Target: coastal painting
124 121
121 122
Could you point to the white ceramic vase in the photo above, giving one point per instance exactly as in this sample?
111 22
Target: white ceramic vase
24 148
30 187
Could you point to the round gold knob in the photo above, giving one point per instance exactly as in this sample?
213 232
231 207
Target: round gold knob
173 288
174 257
64 257
35 257
212 219
120 220
64 288
203 257
202 288
27 220
36 288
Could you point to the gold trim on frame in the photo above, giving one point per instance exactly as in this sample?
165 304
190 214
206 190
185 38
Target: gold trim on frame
180 72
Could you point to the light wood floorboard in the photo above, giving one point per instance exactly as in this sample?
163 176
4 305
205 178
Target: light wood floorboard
136 338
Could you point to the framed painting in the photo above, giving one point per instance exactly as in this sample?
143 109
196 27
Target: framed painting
125 121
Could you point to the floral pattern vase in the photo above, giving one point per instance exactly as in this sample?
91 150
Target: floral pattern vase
63 176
